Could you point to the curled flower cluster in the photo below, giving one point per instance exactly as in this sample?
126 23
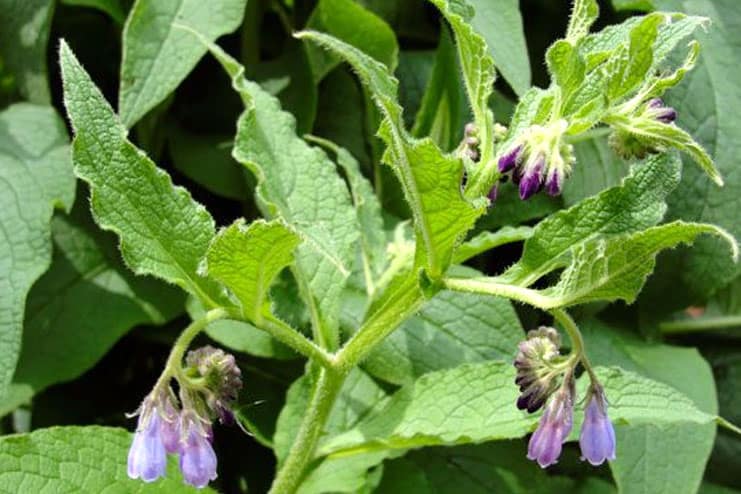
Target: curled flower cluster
165 427
539 159
539 367
628 138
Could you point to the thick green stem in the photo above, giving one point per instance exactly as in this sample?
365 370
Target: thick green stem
577 342
489 287
286 334
325 393
700 324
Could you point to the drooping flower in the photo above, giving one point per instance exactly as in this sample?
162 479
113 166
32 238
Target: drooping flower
597 438
170 428
147 455
539 158
534 361
554 427
197 457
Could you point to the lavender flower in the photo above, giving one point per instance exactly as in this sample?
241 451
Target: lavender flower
147 455
597 439
170 428
197 457
554 427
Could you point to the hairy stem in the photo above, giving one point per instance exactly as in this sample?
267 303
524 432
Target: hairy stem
286 334
577 342
325 394
488 286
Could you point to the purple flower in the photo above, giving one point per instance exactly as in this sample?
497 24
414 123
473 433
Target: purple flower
659 111
554 181
554 427
147 456
170 428
510 159
597 439
197 457
492 195
535 375
532 177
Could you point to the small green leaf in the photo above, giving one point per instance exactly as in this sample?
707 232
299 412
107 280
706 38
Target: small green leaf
77 459
431 179
246 259
162 231
24 33
635 204
85 302
485 241
157 56
566 67
35 176
583 15
350 22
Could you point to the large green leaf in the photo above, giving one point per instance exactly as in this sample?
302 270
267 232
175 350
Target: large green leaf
24 33
35 176
640 466
429 412
350 22
162 231
636 204
431 179
157 56
705 103
500 24
85 302
450 330
87 460
298 184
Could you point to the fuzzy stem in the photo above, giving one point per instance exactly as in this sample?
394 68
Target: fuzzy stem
325 393
577 342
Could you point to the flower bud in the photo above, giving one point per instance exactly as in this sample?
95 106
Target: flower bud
534 363
555 425
222 377
597 439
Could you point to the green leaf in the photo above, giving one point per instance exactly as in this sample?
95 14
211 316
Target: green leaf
450 330
706 103
17 396
207 160
583 15
24 33
86 301
429 412
486 240
353 24
35 176
566 67
113 8
76 459
616 267
299 185
157 56
634 205
162 231
598 168
350 475
478 73
368 209
500 24
642 451
442 110
431 180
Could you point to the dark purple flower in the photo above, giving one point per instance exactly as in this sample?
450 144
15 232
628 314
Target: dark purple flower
659 111
492 195
554 427
222 375
532 177
554 181
197 457
597 439
147 455
510 159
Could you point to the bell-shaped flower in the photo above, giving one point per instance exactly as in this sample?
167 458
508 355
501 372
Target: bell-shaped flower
197 456
597 439
147 455
554 427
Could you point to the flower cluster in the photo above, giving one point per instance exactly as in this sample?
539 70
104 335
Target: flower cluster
539 159
539 368
633 128
166 427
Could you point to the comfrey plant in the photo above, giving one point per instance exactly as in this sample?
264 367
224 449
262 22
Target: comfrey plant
405 347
